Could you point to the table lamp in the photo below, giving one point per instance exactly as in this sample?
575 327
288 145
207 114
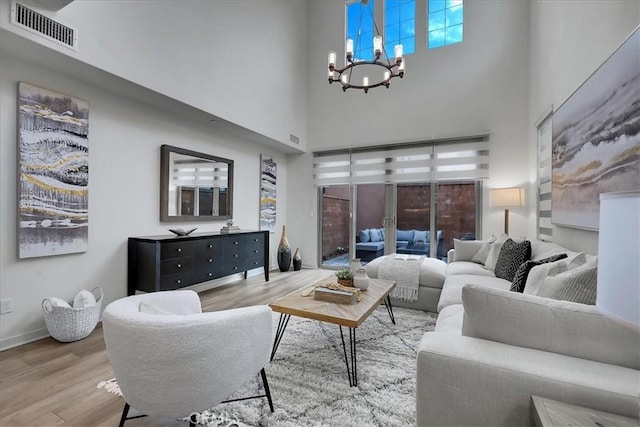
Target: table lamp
507 198
618 293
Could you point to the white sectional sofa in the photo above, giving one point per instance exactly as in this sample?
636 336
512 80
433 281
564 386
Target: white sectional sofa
493 348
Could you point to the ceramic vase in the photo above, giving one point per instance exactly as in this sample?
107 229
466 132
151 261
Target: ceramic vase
297 260
354 265
360 279
284 252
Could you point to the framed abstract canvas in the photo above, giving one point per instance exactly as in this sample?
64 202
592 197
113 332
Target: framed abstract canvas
596 139
268 202
53 173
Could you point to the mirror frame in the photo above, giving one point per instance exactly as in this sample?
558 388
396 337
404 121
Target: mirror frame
165 151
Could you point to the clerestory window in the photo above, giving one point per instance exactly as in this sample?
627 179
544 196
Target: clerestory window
445 20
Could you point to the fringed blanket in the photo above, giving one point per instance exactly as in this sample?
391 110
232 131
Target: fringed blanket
405 270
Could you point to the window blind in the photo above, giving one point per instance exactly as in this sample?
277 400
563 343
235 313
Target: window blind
466 159
545 230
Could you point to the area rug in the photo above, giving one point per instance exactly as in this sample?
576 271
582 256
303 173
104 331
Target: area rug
308 376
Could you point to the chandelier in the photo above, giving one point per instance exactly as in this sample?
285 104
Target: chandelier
380 67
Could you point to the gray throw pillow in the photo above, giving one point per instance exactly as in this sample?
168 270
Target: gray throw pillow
511 256
520 278
364 235
577 285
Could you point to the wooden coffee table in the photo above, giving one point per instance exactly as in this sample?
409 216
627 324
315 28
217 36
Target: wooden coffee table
347 315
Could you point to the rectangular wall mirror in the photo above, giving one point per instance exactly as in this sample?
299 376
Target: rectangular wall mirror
194 186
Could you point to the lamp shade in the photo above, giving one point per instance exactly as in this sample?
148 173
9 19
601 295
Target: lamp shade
619 257
507 197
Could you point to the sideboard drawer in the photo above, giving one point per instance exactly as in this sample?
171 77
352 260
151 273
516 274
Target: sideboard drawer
176 281
175 265
176 249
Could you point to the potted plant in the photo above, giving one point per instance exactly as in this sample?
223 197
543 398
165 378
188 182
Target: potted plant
345 277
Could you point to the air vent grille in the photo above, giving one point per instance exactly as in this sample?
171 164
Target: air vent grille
294 139
44 26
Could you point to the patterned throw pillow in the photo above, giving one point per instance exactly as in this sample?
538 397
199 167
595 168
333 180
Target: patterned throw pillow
512 255
520 278
578 285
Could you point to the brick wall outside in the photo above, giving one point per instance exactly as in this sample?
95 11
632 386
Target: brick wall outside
335 222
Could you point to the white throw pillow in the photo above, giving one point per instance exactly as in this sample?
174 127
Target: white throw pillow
494 252
539 273
481 256
58 302
464 250
552 284
84 299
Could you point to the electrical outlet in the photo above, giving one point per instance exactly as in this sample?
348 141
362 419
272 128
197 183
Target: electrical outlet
6 306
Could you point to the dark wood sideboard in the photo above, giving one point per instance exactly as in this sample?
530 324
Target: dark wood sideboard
161 263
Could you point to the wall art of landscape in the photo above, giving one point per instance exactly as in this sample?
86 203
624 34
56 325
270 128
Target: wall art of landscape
53 173
596 139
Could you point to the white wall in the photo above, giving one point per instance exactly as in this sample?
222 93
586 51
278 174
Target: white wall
239 60
478 85
569 41
124 155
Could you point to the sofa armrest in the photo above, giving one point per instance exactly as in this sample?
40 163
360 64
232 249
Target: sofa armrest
470 381
450 256
534 322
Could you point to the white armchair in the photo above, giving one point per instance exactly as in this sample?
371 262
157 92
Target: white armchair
172 360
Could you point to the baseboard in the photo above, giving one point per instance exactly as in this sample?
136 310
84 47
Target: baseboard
15 341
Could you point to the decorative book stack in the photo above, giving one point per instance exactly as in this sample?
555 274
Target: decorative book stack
335 295
229 229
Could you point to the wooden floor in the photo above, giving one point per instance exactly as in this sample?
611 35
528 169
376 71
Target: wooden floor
47 383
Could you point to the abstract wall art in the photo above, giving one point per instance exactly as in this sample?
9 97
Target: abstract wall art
268 179
596 139
53 181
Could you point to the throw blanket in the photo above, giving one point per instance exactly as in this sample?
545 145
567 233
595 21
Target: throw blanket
405 270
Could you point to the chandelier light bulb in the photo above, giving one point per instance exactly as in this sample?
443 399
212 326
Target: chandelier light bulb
331 75
398 52
377 45
387 75
344 79
401 66
348 50
332 59
365 81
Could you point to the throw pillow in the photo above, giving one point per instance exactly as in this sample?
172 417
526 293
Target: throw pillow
404 235
520 278
512 255
364 235
375 235
577 285
382 233
539 273
464 250
84 299
420 236
494 252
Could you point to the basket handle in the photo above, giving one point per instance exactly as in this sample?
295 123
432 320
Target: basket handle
47 306
99 295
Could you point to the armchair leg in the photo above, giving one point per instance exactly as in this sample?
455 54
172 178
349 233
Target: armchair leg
125 411
263 374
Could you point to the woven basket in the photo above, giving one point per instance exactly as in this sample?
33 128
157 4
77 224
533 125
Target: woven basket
67 324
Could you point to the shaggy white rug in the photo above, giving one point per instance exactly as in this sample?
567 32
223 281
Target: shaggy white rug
308 376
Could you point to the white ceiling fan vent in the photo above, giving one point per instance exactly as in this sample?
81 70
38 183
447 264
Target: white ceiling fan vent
44 26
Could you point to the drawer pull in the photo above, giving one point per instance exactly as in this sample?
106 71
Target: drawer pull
210 260
235 268
255 252
210 274
210 245
179 265
235 243
179 249
178 281
255 240
235 255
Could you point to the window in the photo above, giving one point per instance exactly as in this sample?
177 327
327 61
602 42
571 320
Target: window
360 18
545 230
445 22
399 26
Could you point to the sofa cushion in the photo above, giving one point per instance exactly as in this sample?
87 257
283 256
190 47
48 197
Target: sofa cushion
512 255
468 267
494 252
563 327
464 250
420 236
539 273
404 235
370 246
577 285
520 278
481 256
364 235
452 289
450 319
375 235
